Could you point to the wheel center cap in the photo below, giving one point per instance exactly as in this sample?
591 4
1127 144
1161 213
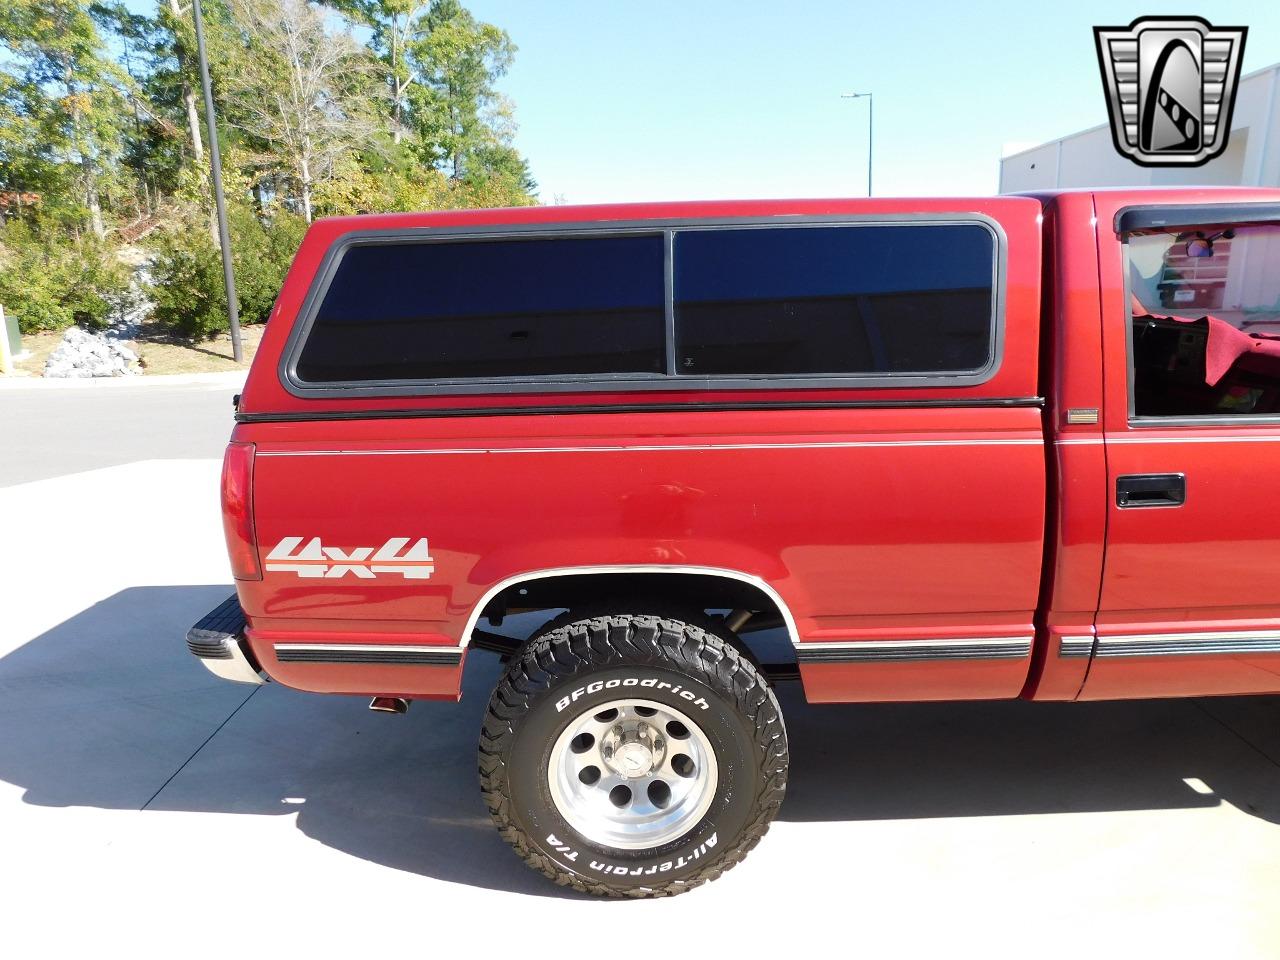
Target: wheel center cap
633 760
632 751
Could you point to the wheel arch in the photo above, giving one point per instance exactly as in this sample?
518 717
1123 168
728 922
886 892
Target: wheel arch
725 575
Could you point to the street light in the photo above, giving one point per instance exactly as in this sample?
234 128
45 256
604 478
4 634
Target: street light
215 162
870 129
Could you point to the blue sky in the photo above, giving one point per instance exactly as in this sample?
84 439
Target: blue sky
709 99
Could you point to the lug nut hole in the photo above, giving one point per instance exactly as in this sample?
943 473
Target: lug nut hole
620 795
659 794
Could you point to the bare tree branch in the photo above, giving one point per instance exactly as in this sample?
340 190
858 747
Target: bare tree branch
303 89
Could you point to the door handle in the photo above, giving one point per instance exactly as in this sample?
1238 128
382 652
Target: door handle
1151 490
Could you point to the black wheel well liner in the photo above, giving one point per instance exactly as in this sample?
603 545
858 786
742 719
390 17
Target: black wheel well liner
656 592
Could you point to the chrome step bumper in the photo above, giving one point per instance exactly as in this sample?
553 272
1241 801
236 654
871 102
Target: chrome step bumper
218 641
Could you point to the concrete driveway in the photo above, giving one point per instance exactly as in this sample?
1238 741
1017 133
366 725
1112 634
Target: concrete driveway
147 807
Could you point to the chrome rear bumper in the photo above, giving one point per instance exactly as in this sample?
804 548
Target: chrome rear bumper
218 642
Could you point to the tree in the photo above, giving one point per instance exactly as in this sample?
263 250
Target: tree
173 15
66 94
396 28
303 90
103 150
440 65
458 111
150 147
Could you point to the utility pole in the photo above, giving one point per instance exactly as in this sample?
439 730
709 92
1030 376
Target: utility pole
870 128
215 162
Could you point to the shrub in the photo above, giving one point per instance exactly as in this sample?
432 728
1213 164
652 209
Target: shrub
186 284
50 282
186 275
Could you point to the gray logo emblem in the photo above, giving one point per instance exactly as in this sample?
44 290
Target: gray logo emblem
1171 84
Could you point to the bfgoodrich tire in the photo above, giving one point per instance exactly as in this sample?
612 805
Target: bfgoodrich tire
632 754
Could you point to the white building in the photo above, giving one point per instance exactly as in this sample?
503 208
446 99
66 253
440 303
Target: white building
1090 159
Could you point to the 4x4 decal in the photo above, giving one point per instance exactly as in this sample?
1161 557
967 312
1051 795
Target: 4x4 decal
316 560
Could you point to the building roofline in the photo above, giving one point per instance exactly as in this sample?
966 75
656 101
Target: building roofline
1275 67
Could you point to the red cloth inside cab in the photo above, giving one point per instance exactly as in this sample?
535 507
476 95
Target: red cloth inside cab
1225 344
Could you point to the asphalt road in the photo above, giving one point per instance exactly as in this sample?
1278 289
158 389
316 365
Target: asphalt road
146 806
60 428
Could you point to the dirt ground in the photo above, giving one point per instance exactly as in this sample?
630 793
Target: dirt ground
158 352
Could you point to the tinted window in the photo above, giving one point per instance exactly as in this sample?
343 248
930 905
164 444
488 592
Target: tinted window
1205 308
834 300
505 308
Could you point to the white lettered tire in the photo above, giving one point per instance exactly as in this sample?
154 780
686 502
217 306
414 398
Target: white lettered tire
632 754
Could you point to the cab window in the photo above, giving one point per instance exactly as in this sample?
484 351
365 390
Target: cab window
1205 311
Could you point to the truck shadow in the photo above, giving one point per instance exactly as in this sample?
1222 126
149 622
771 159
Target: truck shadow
109 710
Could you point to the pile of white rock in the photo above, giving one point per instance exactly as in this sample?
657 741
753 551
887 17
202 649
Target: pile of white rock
85 354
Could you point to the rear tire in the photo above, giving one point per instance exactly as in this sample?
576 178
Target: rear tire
632 754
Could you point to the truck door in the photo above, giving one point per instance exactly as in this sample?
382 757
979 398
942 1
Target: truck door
1190 598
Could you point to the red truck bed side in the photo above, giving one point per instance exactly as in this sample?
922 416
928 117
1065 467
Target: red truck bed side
900 528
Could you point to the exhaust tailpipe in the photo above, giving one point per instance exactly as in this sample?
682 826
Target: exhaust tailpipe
389 705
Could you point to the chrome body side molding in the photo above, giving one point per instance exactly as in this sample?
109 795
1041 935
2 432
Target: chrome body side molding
389 653
872 651
1189 644
1075 646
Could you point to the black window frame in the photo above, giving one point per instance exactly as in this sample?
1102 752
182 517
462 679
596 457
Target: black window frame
1163 218
670 380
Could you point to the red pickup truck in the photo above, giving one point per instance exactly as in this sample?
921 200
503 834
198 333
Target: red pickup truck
948 448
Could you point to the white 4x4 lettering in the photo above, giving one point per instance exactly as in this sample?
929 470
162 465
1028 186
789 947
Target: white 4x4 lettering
314 559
